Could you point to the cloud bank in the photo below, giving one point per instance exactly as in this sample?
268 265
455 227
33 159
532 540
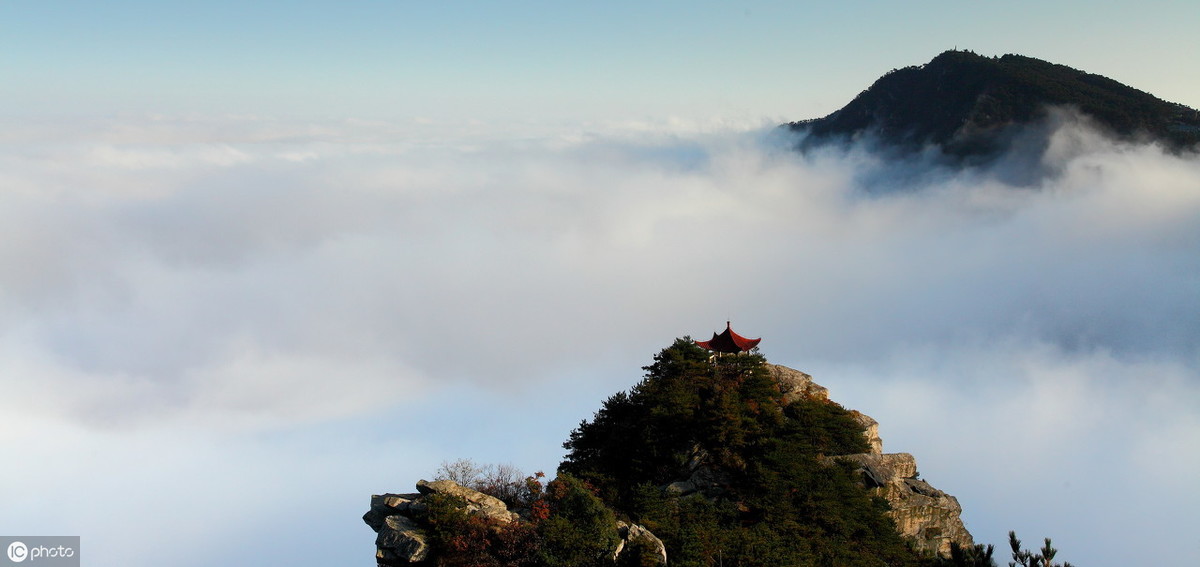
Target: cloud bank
237 300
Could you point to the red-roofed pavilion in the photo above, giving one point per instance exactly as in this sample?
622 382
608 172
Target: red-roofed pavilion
728 341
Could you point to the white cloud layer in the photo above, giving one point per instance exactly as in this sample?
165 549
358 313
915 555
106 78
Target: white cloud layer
235 316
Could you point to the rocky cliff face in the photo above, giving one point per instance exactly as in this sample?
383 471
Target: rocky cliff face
926 516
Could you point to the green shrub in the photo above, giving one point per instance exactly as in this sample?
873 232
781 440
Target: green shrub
580 530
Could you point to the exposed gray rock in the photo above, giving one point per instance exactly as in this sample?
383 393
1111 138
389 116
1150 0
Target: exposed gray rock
796 385
882 469
477 502
870 430
918 486
926 516
384 505
639 540
400 540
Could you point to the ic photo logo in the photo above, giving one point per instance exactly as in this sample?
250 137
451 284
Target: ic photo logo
44 551
17 552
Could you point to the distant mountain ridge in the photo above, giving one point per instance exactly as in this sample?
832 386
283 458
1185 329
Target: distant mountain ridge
970 105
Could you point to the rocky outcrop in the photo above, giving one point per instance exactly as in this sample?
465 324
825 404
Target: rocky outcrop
643 544
400 538
796 385
399 520
478 503
870 430
926 516
400 541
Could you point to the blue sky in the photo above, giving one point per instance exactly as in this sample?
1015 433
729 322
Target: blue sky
261 260
562 61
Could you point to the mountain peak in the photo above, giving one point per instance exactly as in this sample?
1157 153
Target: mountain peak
969 105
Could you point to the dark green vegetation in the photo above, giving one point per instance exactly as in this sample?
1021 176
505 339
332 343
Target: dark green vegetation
775 501
969 104
767 495
565 525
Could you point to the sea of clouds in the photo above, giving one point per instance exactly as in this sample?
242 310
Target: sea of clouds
218 337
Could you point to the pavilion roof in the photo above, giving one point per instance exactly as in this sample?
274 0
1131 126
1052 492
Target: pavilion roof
728 341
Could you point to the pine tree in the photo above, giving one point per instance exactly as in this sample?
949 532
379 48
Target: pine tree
1026 558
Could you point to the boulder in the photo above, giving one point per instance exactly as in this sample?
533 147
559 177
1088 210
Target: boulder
398 519
639 543
384 505
477 502
400 541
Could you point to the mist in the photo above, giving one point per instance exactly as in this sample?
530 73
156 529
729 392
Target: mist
241 328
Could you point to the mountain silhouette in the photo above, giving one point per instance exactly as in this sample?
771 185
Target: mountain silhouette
971 106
